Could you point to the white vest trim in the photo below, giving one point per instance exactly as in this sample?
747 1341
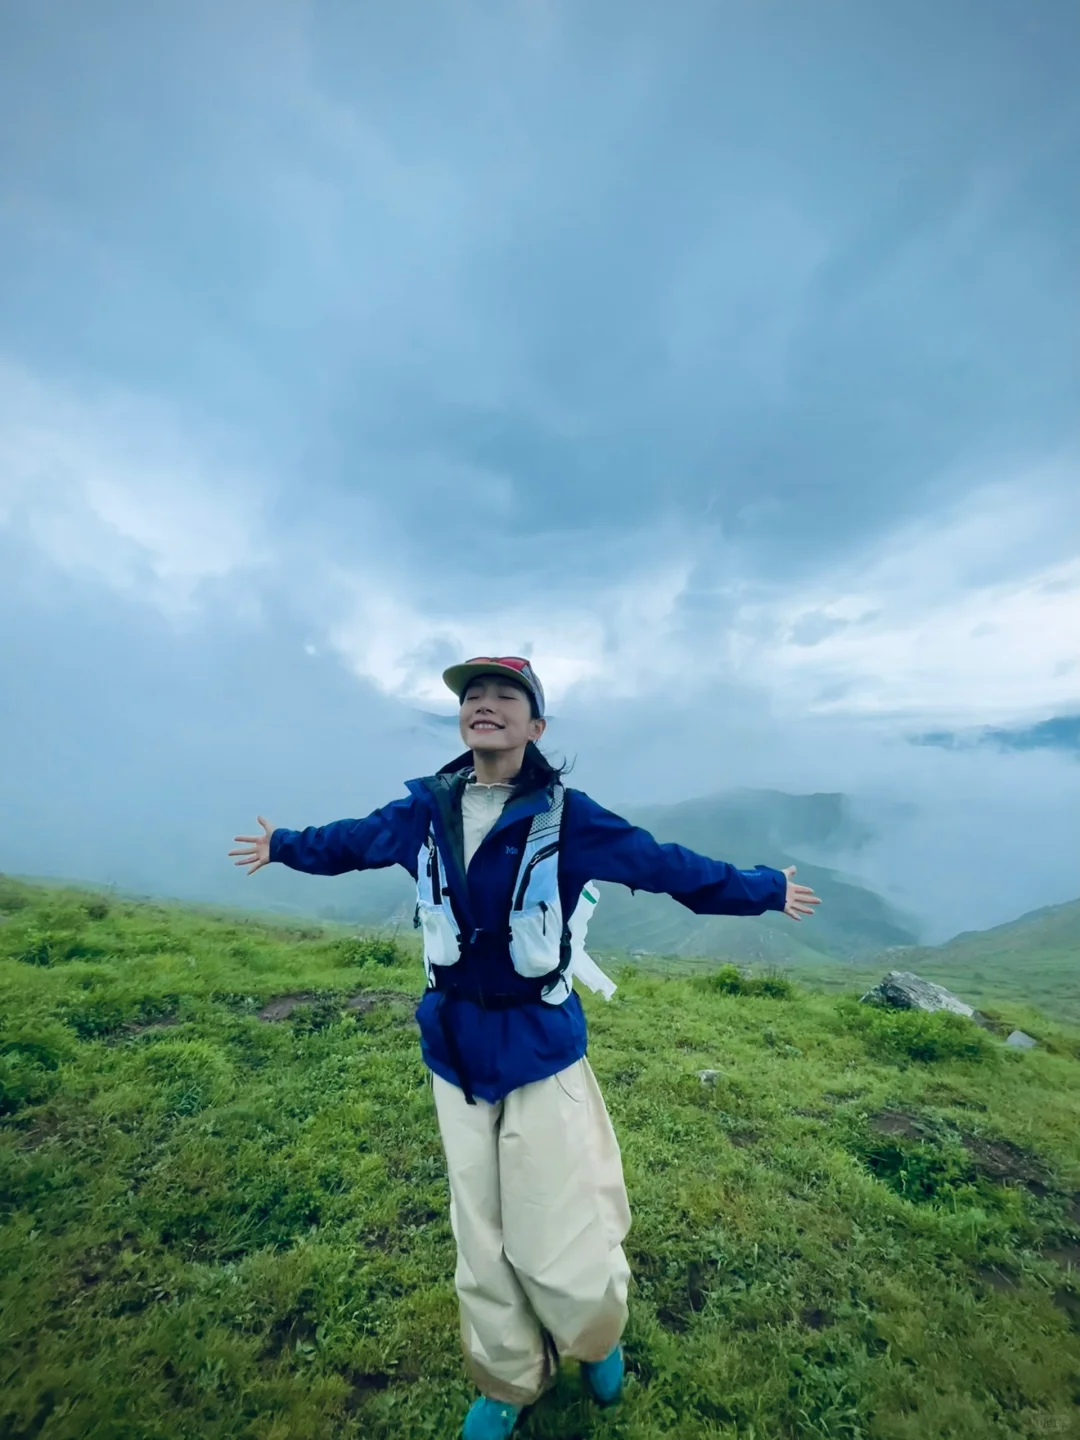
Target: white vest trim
536 921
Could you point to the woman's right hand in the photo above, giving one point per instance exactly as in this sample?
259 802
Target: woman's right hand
256 851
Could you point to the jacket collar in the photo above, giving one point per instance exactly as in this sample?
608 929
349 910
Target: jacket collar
442 794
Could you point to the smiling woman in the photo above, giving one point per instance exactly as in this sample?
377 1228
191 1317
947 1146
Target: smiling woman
503 855
502 713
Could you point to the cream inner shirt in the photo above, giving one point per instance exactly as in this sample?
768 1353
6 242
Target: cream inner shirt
481 806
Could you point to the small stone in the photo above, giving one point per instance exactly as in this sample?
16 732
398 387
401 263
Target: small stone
709 1077
1020 1041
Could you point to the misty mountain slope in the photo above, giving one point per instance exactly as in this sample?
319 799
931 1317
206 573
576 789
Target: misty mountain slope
1052 929
752 827
852 922
750 824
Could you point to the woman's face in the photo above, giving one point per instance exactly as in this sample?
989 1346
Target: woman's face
496 715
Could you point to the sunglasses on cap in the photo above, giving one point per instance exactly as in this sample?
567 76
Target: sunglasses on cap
458 677
515 662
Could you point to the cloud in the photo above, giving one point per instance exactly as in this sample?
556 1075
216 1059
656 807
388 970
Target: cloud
585 630
113 485
815 626
974 614
601 333
1061 732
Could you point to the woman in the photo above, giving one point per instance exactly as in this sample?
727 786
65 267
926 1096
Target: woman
502 853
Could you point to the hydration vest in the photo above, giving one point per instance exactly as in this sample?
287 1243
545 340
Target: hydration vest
545 946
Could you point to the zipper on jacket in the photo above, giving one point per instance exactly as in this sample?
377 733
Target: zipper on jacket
543 917
544 854
433 871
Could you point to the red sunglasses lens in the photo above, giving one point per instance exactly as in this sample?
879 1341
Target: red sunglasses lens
515 662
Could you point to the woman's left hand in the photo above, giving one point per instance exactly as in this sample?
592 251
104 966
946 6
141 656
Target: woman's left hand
800 898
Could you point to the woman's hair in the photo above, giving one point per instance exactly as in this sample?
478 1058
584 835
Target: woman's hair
537 772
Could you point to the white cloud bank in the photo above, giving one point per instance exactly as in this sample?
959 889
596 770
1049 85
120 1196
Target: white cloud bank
973 616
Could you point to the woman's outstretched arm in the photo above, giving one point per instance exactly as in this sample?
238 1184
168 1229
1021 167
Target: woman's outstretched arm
391 835
607 847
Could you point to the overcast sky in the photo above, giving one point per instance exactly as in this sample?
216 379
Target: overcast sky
721 356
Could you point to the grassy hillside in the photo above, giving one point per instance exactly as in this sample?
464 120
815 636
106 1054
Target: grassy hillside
225 1211
1037 957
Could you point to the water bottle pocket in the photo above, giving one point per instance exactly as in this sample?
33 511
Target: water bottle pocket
534 939
441 943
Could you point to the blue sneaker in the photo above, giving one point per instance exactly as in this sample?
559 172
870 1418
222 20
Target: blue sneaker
489 1420
604 1377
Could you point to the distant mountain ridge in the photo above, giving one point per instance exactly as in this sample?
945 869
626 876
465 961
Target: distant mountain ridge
1054 926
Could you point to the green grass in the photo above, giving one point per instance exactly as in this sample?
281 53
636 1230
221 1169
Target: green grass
1032 963
222 1226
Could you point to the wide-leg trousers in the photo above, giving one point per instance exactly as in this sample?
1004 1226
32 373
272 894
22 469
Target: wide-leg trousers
539 1212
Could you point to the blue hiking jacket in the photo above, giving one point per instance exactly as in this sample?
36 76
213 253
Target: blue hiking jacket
511 1046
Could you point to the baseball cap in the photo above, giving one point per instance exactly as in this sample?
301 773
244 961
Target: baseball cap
514 667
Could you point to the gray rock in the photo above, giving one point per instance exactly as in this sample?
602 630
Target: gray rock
709 1077
902 990
1021 1041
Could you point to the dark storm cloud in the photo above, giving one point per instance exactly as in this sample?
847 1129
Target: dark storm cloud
610 262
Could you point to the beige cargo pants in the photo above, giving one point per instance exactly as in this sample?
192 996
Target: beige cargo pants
539 1212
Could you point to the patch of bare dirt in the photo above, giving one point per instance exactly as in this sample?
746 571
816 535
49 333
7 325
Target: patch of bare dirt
1007 1163
996 1277
366 1000
288 1332
147 1027
688 1300
362 1384
1069 1301
898 1122
1067 1256
989 1022
282 1006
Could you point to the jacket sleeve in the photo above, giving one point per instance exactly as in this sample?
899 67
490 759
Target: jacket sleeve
390 836
606 847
